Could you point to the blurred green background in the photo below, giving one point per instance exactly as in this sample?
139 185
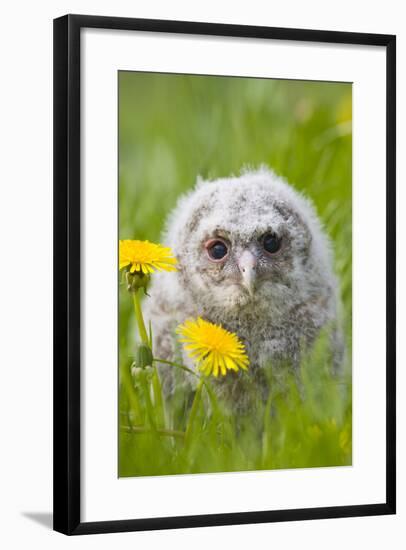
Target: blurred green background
175 127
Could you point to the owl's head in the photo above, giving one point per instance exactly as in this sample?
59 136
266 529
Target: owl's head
244 240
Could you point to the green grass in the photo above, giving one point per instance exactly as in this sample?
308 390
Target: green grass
172 128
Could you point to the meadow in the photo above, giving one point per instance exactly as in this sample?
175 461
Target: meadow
171 129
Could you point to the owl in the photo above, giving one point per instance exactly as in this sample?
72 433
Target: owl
253 258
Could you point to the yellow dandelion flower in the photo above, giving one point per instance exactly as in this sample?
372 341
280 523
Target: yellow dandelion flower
145 257
215 349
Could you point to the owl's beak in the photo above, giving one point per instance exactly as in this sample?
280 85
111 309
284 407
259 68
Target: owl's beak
247 265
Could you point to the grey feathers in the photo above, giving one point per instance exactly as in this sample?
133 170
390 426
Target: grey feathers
277 302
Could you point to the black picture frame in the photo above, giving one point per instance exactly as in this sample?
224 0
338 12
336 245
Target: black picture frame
67 295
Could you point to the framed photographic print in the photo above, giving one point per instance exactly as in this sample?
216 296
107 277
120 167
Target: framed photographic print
224 274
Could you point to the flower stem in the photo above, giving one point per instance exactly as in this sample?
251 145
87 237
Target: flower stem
212 396
140 318
193 413
147 396
158 400
177 365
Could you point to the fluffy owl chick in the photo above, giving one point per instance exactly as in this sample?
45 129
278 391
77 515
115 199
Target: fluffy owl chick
253 258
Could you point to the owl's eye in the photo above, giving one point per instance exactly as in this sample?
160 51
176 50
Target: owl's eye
271 243
216 249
